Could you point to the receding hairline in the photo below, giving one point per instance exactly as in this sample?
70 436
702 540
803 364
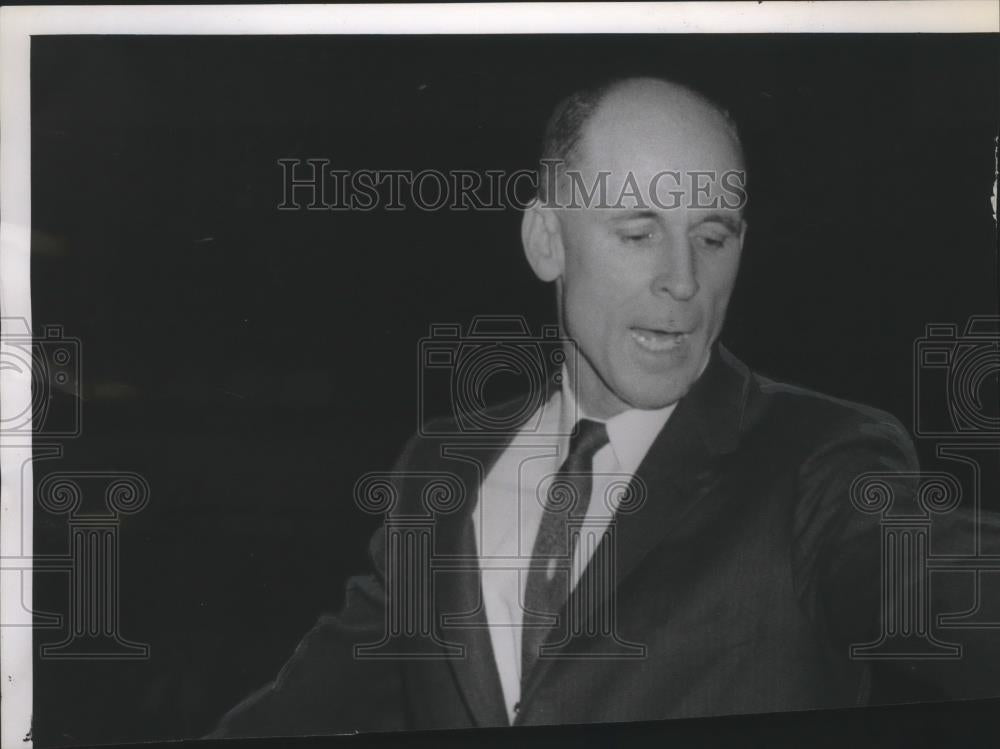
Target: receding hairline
568 122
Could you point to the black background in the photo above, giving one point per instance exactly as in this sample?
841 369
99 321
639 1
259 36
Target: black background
253 363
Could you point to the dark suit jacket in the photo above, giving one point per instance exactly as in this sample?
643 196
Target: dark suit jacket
745 576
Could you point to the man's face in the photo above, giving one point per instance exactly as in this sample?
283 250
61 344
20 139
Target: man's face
644 286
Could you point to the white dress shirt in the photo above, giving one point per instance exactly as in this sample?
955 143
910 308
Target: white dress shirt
511 505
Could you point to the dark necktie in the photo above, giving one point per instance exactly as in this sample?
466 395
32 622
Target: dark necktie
549 577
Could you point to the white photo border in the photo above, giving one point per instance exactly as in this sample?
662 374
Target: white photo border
19 24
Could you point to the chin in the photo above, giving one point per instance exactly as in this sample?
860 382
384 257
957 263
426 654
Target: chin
659 393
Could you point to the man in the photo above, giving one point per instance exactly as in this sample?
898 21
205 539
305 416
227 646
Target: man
734 572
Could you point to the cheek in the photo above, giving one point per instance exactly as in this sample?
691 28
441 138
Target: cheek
596 262
598 290
719 280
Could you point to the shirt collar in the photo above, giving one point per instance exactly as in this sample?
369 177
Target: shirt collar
631 432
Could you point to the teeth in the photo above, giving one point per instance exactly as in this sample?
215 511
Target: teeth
656 341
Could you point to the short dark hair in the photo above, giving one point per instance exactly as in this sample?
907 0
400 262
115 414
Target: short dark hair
565 125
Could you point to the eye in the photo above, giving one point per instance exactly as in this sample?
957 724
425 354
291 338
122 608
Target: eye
710 242
637 234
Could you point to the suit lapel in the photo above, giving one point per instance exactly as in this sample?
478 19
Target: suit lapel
679 469
460 614
682 464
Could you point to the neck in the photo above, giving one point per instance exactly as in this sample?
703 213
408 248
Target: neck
593 397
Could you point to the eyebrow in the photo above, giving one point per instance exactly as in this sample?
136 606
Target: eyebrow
720 218
636 215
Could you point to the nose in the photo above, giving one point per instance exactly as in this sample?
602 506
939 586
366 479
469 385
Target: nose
675 273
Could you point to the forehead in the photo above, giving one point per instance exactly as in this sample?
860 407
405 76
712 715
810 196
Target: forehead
652 127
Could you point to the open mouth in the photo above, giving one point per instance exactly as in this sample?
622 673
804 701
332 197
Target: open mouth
658 340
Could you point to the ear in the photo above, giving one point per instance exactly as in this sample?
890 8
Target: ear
541 235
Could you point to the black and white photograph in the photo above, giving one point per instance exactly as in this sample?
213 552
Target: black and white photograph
455 371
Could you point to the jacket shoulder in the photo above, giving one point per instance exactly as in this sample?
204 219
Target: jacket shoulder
814 419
